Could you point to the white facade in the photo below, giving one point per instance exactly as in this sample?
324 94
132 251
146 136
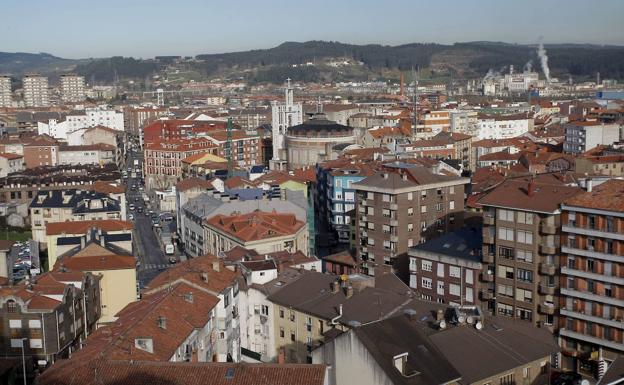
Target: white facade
36 92
6 99
284 115
492 128
85 156
72 88
581 138
54 128
91 117
10 164
228 332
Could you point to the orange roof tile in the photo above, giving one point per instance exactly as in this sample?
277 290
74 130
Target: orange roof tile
256 225
607 196
82 227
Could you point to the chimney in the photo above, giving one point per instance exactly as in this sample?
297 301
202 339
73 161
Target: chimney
204 276
531 188
404 177
83 242
215 266
589 185
281 357
102 241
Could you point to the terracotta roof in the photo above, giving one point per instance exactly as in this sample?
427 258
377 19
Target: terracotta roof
514 193
607 196
109 372
82 227
195 157
195 271
189 183
307 174
381 132
89 147
278 177
95 258
10 156
501 155
108 187
343 258
257 225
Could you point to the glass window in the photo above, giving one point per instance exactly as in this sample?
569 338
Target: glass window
426 265
454 271
426 283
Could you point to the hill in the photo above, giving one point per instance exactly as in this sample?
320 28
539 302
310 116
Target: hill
19 63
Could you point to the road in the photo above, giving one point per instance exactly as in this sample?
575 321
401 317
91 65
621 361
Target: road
152 259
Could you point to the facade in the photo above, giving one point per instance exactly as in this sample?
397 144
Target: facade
446 269
521 242
284 115
87 154
70 205
41 151
503 126
79 119
72 88
10 163
583 136
398 210
36 91
51 316
264 232
591 305
6 94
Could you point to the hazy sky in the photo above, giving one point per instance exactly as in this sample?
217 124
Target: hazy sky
145 28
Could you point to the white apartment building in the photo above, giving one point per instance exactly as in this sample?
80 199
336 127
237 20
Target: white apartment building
6 99
503 127
76 120
583 136
72 88
36 92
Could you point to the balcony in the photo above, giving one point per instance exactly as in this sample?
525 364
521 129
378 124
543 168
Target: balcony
487 277
488 258
593 340
592 297
546 289
546 308
548 249
394 222
394 206
547 269
615 323
488 220
394 238
548 229
591 254
486 295
592 232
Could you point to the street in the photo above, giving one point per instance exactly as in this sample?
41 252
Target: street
148 250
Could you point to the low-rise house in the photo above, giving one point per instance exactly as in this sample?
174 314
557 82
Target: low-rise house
10 163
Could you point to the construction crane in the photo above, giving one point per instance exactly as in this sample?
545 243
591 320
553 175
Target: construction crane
230 157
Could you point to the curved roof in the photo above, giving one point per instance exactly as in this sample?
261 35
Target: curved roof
320 127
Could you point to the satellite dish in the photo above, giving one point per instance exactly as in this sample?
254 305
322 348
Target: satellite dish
479 325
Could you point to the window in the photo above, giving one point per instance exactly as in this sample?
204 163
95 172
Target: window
370 211
454 290
591 265
505 290
385 197
525 275
524 217
452 205
34 324
292 316
281 332
36 343
505 272
506 215
439 207
15 324
16 343
440 290
426 265
423 209
385 213
504 309
454 271
385 229
370 195
413 266
371 225
410 227
410 211
440 269
426 283
338 182
506 252
524 314
410 196
524 295
505 234
423 194
292 336
371 241
469 276
525 237
524 255
281 312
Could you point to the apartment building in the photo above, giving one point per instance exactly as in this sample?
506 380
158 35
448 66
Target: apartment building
246 149
87 154
163 160
583 136
10 163
36 91
42 150
336 194
521 244
70 205
135 118
503 126
176 129
61 128
592 283
6 94
264 232
72 88
446 269
50 316
400 208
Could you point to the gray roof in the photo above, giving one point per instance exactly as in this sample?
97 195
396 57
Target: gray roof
411 178
311 294
464 244
615 372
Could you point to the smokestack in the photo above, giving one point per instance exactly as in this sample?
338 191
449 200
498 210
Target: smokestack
589 185
541 53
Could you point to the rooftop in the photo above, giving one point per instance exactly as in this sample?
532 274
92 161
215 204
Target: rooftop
256 225
607 196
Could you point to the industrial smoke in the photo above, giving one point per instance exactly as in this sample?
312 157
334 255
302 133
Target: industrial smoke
528 66
541 53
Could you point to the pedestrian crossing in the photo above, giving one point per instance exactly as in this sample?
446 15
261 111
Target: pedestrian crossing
154 266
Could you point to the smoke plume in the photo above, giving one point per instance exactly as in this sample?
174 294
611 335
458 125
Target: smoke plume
528 67
541 53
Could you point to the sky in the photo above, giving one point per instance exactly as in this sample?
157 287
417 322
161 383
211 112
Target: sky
146 28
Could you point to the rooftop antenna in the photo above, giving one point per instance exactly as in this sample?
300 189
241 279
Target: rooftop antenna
230 158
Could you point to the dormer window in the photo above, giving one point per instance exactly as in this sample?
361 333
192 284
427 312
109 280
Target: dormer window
145 344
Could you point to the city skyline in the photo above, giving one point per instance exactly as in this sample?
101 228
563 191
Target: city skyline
147 29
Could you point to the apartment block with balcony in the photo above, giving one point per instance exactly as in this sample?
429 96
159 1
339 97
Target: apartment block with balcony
592 277
521 231
400 208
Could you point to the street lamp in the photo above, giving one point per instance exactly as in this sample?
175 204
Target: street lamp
24 358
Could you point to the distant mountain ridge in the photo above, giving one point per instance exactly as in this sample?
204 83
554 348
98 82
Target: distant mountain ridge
461 60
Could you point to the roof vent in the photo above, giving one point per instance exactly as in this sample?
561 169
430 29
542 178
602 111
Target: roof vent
188 297
204 276
162 322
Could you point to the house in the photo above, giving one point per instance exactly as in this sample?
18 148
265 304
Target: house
10 163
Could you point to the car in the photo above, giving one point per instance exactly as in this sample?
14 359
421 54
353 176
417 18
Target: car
131 216
155 222
140 209
141 189
131 207
569 378
132 188
173 259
